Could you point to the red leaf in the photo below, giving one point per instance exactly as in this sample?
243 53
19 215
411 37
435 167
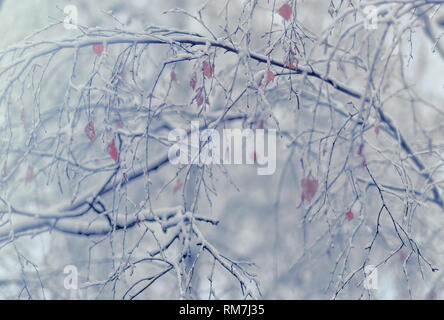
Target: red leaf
173 77
112 150
90 131
208 69
270 76
193 81
29 174
377 130
309 188
285 11
292 63
178 186
98 49
199 98
350 215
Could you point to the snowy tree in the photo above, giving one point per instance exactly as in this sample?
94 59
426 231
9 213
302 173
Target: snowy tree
93 207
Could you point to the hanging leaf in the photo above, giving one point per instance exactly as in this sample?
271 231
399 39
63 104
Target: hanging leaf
173 77
98 49
90 131
208 69
200 98
377 130
270 76
309 188
112 150
349 215
178 186
291 65
193 81
285 11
